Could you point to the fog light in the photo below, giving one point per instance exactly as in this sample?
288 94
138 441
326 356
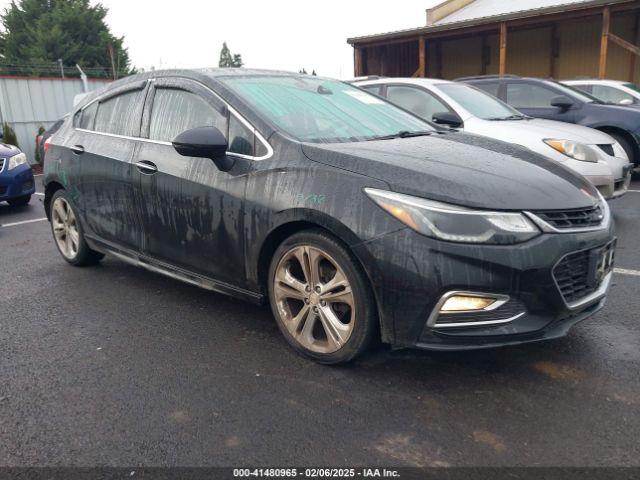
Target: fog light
463 303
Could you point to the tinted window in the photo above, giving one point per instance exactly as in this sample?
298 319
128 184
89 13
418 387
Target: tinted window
375 89
175 111
317 110
608 94
243 141
477 103
527 95
87 116
416 100
490 87
119 115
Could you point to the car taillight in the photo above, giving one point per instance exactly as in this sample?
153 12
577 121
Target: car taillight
47 142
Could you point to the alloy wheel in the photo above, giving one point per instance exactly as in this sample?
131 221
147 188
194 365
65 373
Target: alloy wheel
314 299
65 228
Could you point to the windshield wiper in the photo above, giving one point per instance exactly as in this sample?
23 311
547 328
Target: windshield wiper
404 134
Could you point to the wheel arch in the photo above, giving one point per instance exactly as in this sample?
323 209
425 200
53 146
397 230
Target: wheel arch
610 129
49 191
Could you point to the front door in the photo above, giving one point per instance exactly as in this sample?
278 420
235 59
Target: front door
191 211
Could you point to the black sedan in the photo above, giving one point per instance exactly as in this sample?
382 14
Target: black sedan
552 100
352 217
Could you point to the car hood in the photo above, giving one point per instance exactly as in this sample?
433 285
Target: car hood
462 169
7 150
536 130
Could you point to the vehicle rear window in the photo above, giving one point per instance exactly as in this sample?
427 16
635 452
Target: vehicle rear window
119 115
323 111
175 111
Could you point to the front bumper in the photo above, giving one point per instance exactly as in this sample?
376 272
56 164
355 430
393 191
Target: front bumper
411 273
16 183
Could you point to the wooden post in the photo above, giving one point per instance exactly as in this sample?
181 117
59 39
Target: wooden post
604 42
422 57
632 62
357 61
554 51
503 49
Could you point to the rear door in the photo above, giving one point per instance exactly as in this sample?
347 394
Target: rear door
191 211
102 147
534 99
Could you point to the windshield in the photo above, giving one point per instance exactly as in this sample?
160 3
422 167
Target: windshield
312 109
632 86
572 92
478 103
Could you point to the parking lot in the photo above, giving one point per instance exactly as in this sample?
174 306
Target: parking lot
113 365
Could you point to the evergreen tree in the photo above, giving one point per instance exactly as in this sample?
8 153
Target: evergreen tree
229 60
36 33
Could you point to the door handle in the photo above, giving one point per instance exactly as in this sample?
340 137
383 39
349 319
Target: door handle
146 167
77 149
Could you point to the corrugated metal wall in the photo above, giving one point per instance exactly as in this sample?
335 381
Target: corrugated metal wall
28 103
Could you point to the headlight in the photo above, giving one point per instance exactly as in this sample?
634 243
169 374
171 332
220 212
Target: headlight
17 160
575 150
453 223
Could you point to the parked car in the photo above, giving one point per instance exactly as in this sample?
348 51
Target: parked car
41 140
552 100
352 217
612 92
16 177
589 152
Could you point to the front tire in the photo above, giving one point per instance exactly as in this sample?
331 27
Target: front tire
20 201
321 298
68 234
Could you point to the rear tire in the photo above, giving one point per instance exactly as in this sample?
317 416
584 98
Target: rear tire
68 234
321 298
20 201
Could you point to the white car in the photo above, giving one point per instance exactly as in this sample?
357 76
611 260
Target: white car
609 91
594 154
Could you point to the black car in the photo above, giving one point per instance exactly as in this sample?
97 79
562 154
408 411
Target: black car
552 100
352 217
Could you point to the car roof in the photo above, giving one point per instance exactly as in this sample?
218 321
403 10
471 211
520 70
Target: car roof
408 81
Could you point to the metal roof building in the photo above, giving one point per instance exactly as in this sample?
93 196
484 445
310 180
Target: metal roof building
544 38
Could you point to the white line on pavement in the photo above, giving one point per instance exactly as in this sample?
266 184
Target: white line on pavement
634 191
624 271
23 223
39 175
38 193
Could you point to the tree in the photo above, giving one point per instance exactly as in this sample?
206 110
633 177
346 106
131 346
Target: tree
36 33
9 135
229 60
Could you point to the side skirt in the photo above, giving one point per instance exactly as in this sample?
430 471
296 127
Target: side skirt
174 272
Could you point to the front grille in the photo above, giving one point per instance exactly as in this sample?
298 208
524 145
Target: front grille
607 148
509 310
580 274
2 160
578 218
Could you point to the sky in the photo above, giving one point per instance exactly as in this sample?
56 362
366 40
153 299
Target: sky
276 34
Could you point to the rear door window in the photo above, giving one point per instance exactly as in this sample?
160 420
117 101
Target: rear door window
120 115
609 94
416 100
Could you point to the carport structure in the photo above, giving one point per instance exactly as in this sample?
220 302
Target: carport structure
544 38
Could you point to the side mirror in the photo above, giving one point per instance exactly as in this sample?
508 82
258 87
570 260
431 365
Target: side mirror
562 102
450 119
626 101
204 142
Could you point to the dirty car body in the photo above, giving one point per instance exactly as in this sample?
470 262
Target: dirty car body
395 203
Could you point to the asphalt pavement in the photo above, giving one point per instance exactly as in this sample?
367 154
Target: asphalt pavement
116 366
